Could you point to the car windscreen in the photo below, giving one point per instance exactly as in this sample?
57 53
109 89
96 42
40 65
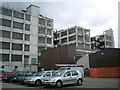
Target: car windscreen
60 73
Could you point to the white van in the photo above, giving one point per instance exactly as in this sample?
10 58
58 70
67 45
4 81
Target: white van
81 69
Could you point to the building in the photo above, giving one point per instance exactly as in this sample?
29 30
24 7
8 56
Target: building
58 56
76 35
23 35
105 63
106 40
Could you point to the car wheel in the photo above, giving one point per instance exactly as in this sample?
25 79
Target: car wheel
58 84
38 83
79 82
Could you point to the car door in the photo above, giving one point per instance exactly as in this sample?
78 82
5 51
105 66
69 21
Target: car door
74 76
67 78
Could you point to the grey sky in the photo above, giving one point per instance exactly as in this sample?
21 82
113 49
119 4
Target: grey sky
96 15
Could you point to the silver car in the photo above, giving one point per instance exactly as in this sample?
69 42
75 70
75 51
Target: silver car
37 77
64 77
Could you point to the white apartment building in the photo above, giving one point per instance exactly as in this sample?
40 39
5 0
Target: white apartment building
76 35
106 40
23 35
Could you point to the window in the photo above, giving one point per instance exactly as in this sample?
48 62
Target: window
80 31
5 45
63 33
108 38
40 48
93 39
41 21
6 11
87 46
87 39
49 32
74 73
56 35
5 57
26 47
80 38
49 40
27 17
81 45
71 31
18 15
63 40
41 39
17 25
72 38
47 74
5 22
26 59
27 37
16 57
87 32
17 36
41 30
49 23
108 43
5 34
102 37
73 44
27 27
17 46
67 74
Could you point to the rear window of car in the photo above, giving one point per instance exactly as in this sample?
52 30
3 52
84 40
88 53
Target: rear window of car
74 73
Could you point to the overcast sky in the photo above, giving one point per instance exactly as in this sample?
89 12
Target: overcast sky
96 15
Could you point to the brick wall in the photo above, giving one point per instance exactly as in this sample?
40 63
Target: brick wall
105 72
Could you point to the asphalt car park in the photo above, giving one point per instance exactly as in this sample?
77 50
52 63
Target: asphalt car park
87 83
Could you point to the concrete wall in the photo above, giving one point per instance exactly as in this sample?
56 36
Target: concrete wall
84 60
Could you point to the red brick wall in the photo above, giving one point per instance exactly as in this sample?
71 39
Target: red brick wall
105 72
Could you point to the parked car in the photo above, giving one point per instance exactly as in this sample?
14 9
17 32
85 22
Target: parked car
37 77
22 78
64 77
10 77
81 69
16 77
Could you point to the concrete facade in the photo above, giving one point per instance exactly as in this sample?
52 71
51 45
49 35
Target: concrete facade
24 34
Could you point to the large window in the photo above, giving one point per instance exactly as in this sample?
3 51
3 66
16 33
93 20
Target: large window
108 43
80 31
27 27
26 47
5 57
5 45
49 32
87 46
41 39
16 57
72 38
27 17
17 25
71 31
17 46
18 15
17 36
40 48
81 45
27 37
5 34
87 32
6 11
5 22
41 30
49 40
63 40
63 33
56 35
101 37
41 21
49 23
87 39
80 38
